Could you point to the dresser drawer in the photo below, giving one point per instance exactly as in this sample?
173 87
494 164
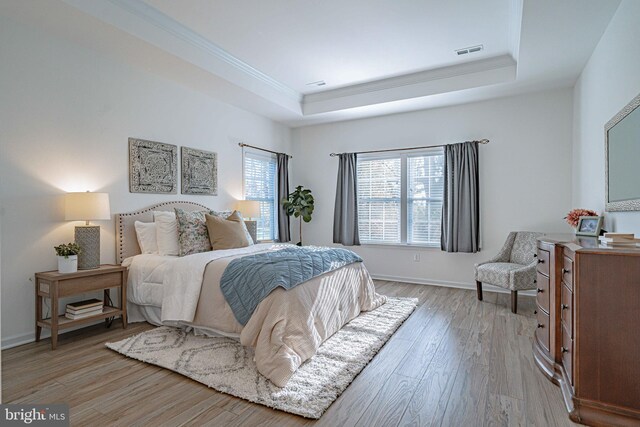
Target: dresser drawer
566 309
567 272
543 261
567 354
542 330
542 296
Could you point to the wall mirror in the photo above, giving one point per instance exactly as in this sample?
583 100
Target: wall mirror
622 154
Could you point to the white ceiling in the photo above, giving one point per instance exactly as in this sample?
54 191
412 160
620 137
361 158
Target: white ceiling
345 42
377 57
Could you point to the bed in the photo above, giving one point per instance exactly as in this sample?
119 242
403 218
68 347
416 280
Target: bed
286 328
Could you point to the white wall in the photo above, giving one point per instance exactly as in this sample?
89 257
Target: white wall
65 115
525 174
608 82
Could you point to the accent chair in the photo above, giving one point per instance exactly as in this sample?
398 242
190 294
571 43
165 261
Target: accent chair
514 268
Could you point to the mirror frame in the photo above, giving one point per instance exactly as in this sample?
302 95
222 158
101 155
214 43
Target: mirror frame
625 205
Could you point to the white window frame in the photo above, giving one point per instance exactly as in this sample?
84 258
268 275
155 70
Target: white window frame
404 196
270 156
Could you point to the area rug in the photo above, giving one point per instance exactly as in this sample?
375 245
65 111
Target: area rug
225 365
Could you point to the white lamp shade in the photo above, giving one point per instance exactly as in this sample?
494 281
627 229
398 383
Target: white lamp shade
87 206
249 208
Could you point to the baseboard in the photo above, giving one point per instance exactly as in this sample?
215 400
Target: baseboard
16 340
448 284
29 337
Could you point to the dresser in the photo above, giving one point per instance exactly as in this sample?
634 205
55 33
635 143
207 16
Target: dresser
588 327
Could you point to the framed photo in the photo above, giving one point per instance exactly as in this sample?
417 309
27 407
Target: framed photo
199 172
589 226
152 167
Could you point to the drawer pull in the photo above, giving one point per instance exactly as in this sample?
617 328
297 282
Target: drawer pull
564 306
540 290
540 326
535 281
565 271
535 311
565 350
540 261
535 255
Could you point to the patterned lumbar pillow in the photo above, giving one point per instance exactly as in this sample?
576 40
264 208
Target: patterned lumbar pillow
193 236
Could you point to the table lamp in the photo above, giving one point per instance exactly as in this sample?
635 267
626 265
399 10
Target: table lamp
87 207
248 208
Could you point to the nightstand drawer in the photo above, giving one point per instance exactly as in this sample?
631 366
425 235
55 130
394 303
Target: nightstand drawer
87 284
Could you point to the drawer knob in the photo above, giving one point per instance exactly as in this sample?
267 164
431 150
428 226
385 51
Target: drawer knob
564 306
540 290
535 255
535 281
540 261
566 271
565 350
535 311
540 326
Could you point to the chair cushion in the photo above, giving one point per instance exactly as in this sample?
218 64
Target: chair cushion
496 273
524 247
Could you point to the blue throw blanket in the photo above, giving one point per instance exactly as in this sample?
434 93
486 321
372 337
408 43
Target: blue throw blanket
248 280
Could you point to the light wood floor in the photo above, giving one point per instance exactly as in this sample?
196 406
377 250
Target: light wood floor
455 362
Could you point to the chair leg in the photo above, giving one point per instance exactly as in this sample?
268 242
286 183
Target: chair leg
479 288
514 301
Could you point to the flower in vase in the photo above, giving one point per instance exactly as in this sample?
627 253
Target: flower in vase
573 217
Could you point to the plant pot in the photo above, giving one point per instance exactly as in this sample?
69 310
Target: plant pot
68 264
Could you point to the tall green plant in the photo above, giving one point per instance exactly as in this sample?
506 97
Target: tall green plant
299 204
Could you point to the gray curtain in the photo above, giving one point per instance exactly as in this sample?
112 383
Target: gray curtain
345 215
284 235
461 205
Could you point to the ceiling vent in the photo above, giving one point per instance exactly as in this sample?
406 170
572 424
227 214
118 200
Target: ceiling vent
472 49
318 83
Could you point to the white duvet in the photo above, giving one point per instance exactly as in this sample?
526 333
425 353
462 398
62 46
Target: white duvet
286 328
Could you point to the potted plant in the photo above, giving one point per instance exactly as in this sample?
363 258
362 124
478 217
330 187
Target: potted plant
67 257
300 205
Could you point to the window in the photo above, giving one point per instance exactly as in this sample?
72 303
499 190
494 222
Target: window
400 197
260 184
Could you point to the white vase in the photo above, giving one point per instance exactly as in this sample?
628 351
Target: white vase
68 264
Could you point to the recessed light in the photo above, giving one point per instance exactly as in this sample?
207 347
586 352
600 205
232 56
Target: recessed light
318 83
471 49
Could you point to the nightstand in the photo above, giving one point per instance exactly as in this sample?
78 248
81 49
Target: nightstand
55 285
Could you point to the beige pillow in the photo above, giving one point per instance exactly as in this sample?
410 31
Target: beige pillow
226 233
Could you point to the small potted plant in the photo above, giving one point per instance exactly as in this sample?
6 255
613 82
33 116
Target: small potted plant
67 257
573 217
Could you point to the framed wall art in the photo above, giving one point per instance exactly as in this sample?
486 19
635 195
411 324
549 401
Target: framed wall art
199 171
152 167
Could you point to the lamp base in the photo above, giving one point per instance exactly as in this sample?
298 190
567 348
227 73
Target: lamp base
88 238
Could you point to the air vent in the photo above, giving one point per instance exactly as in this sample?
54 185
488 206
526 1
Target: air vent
471 49
318 83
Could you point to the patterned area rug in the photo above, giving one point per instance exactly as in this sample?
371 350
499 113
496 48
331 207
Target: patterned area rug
224 365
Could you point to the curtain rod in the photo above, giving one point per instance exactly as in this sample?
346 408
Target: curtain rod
482 141
242 144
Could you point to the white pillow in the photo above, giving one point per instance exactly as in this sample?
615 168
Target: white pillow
147 239
166 232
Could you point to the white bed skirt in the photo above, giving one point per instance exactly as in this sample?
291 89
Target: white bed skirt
151 314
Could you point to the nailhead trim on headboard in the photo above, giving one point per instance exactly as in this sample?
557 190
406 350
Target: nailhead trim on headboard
120 225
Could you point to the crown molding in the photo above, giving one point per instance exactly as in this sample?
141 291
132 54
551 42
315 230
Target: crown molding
452 78
142 11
